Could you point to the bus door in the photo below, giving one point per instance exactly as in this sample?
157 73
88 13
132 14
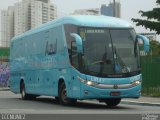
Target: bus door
75 70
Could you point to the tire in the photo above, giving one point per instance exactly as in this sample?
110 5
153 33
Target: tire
24 95
62 95
113 102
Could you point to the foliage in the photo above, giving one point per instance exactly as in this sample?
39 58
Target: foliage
155 47
153 19
4 52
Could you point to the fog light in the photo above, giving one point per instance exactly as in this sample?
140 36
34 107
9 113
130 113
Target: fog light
86 92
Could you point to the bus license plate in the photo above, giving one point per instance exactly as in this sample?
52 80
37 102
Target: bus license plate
115 94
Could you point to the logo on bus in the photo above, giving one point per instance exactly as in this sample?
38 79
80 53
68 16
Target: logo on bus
51 48
115 86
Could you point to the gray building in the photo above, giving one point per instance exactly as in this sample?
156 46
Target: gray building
109 10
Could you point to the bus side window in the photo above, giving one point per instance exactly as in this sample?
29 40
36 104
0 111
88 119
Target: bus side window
74 55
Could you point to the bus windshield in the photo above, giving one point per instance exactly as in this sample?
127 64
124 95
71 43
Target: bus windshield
109 51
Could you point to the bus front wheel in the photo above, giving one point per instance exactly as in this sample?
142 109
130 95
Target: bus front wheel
113 102
63 96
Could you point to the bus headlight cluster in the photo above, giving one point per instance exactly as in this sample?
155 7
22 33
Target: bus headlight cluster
137 82
87 82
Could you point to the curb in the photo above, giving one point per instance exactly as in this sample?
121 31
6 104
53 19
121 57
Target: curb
4 89
140 103
129 102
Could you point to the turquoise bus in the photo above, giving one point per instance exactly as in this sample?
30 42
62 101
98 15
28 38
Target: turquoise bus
77 58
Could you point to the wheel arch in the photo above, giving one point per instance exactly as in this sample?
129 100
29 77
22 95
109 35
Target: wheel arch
60 81
20 83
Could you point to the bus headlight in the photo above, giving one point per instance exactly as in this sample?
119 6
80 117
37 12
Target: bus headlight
90 83
137 82
87 82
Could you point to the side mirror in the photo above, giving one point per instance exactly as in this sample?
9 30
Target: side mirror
78 42
146 44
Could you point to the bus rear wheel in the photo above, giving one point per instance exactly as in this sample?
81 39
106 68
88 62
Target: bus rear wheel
24 95
63 96
113 102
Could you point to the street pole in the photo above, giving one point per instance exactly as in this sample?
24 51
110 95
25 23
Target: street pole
114 8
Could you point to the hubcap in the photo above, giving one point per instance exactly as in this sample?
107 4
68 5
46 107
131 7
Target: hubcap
23 93
64 95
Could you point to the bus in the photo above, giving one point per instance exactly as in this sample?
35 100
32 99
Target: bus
78 57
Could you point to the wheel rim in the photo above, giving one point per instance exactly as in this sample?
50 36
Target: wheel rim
64 95
23 92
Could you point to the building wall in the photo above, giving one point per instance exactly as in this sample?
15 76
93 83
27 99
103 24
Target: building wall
48 12
118 10
7 26
36 13
104 10
53 11
108 10
21 17
24 16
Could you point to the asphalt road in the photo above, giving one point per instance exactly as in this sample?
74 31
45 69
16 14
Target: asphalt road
12 103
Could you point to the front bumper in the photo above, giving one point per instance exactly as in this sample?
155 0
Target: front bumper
90 92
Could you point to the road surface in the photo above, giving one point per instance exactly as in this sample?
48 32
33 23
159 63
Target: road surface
12 103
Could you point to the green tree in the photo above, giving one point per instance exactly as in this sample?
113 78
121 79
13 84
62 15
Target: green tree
153 19
155 47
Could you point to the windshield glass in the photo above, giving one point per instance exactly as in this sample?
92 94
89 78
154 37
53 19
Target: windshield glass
109 51
124 50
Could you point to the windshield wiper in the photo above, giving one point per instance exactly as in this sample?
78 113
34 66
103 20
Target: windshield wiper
104 59
119 63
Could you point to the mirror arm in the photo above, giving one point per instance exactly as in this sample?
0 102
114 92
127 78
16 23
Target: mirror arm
146 44
78 42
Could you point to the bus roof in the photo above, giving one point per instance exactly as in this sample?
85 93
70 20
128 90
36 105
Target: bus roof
97 21
82 20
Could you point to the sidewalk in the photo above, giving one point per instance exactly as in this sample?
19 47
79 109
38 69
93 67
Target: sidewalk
148 101
4 88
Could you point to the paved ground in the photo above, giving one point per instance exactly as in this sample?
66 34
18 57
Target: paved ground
4 89
46 108
148 101
12 103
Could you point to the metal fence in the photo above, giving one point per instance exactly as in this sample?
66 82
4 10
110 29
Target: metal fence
4 68
151 75
4 75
